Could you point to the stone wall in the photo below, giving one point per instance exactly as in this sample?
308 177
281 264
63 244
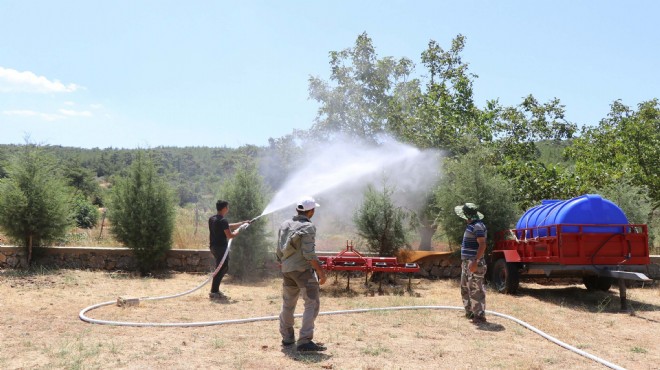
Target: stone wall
195 260
188 260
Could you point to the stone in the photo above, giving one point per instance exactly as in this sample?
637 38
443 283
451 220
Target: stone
12 261
194 260
173 261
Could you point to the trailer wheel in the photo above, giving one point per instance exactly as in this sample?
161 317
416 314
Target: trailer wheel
592 282
506 277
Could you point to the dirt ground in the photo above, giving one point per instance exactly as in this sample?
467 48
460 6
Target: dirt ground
41 328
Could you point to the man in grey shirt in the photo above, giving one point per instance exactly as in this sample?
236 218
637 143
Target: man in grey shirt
301 273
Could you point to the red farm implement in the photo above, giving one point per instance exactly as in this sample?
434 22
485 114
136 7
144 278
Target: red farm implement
352 260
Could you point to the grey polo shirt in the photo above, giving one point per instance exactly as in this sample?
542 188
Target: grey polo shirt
296 244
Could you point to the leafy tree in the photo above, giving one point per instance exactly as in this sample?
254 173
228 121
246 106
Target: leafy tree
142 213
34 200
472 179
357 102
533 181
246 195
444 115
624 146
380 222
518 129
518 132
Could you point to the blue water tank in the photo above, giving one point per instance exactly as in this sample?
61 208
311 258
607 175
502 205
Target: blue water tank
588 209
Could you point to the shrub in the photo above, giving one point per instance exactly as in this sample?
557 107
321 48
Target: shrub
85 214
380 222
142 213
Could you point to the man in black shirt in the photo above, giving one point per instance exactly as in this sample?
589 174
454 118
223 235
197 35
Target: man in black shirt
220 231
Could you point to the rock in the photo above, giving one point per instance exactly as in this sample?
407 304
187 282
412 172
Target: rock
173 262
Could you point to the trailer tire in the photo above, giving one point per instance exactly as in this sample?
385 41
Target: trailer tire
505 276
592 283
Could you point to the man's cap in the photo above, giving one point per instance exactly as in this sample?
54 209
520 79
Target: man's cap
307 203
468 211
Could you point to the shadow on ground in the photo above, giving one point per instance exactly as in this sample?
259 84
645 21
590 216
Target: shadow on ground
581 299
305 357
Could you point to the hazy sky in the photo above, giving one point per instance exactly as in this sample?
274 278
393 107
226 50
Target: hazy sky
130 74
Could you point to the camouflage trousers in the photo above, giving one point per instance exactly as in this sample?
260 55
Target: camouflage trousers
472 289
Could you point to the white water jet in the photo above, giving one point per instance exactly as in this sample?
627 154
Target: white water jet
343 164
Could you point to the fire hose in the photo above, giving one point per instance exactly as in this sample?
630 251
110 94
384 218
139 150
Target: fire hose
135 301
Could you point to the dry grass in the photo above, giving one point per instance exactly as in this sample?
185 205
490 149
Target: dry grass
41 329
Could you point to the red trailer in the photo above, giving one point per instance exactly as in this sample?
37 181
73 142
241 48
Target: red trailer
598 254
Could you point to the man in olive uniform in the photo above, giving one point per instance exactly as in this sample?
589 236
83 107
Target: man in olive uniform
301 273
473 264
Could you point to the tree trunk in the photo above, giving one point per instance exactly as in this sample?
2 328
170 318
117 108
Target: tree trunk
426 234
29 257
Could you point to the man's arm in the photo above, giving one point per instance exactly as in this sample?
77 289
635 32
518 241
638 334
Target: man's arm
230 233
308 244
480 253
320 272
236 225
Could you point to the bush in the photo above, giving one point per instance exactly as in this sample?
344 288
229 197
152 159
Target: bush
85 214
142 213
381 223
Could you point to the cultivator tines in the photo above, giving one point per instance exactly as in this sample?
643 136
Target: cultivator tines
351 260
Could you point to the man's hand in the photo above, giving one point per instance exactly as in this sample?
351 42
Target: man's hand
472 266
320 273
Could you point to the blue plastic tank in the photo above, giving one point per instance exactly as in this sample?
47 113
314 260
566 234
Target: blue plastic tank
588 209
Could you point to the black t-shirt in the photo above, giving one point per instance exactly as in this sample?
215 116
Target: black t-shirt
217 227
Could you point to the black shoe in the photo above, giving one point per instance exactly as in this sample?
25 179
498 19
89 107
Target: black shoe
469 315
310 347
479 320
219 296
288 342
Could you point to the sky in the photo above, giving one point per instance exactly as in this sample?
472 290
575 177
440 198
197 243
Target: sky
143 74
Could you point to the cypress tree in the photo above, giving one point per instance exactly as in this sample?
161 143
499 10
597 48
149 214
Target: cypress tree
142 214
34 200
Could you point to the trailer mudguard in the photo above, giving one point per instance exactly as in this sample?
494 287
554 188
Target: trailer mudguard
509 255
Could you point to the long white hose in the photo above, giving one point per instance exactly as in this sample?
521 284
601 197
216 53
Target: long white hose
83 317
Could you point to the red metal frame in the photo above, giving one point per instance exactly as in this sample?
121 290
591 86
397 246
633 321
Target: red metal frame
578 244
352 260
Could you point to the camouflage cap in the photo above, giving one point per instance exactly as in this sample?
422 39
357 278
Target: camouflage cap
468 211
